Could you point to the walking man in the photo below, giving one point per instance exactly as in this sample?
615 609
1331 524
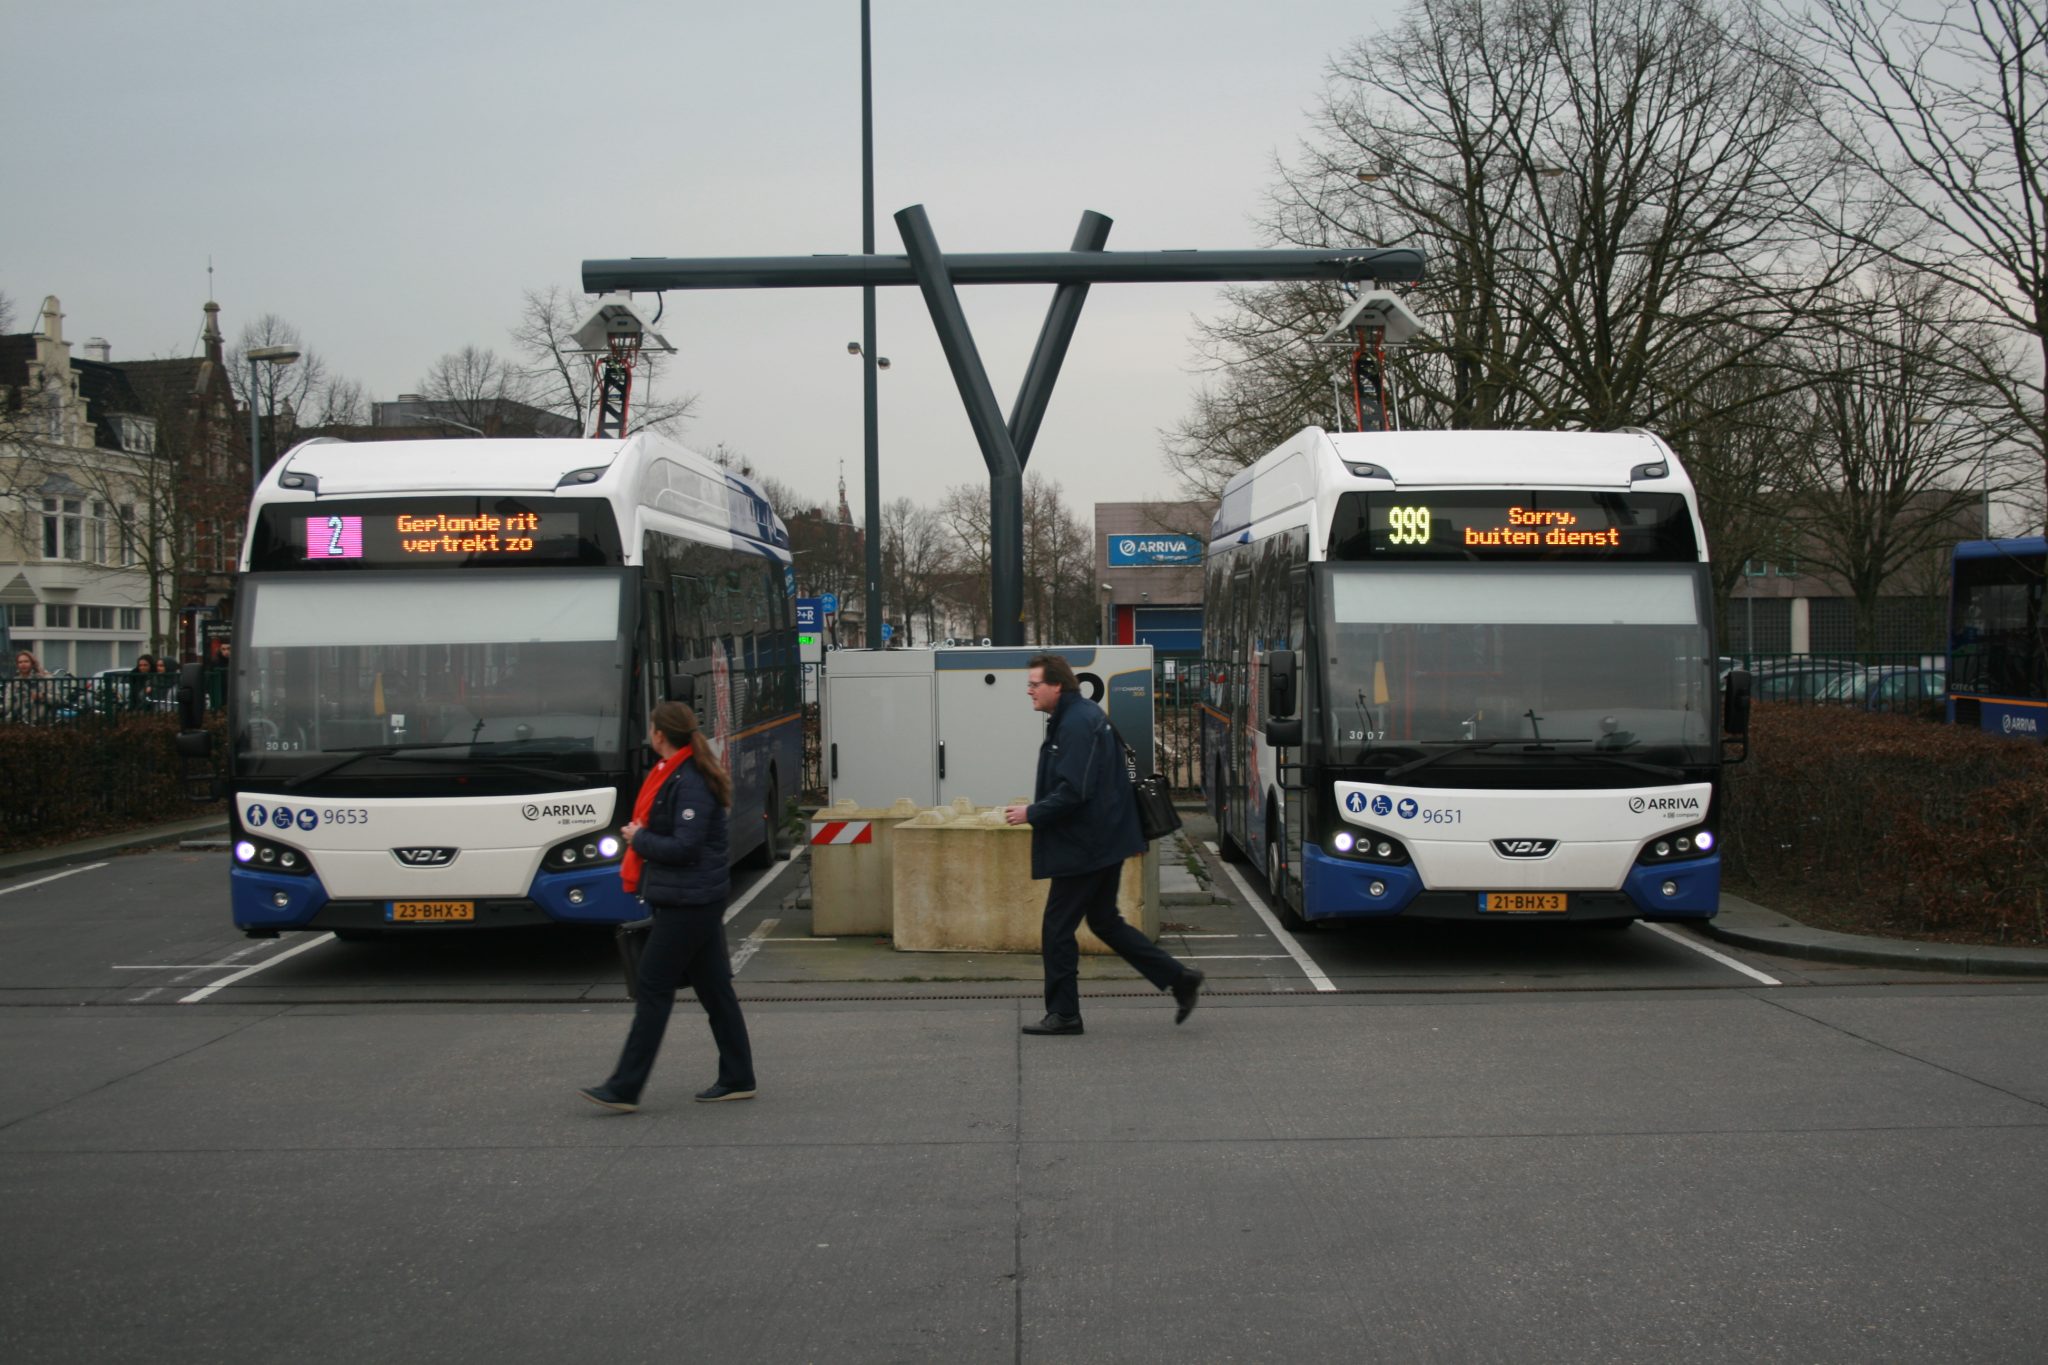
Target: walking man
1084 824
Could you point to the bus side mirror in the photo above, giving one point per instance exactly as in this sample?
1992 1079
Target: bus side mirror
1735 704
1282 694
192 696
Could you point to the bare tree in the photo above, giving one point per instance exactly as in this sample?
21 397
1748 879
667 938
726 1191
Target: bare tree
1949 113
1894 436
917 561
6 313
473 386
1595 183
563 381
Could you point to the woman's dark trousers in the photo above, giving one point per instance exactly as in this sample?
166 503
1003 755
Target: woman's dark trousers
1091 896
687 944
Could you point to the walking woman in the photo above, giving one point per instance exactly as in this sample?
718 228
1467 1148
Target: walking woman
675 861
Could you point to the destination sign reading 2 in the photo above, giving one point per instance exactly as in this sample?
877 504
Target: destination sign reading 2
341 537
435 532
1512 524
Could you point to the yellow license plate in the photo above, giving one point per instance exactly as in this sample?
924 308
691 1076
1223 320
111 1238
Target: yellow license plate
431 912
1522 902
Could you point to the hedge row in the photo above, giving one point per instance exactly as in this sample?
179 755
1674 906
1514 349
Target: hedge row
1917 828
60 782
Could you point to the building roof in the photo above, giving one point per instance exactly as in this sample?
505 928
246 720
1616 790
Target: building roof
106 391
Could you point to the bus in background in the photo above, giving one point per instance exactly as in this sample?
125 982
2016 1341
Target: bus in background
1998 651
445 653
1467 675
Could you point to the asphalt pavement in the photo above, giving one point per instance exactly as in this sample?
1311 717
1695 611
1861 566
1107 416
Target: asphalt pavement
1409 1143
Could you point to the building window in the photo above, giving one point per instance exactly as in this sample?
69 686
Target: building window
131 618
63 528
21 615
56 616
96 533
95 618
130 550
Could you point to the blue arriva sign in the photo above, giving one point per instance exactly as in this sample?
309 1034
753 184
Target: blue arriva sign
1128 550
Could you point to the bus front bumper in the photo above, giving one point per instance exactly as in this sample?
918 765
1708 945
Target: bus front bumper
1345 888
266 902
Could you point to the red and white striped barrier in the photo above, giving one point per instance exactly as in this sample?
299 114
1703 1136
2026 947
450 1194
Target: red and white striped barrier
843 832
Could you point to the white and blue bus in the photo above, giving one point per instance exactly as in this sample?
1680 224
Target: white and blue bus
1998 637
1467 675
444 656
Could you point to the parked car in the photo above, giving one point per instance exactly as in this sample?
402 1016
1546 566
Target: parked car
1905 689
1804 679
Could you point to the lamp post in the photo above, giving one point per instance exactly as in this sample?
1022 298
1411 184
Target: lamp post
262 355
871 468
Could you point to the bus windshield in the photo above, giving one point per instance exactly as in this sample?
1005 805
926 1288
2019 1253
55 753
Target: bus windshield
524 663
1595 656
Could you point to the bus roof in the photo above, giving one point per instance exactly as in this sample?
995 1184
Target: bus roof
647 477
1314 466
2002 549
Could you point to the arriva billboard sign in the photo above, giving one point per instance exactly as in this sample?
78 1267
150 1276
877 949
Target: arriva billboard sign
1128 551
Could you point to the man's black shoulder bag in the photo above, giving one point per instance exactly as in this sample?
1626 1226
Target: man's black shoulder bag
1156 816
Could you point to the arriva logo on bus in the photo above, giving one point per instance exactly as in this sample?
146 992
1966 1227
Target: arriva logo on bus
2019 725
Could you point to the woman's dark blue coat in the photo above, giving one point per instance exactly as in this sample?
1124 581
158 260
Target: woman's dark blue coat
683 843
1083 814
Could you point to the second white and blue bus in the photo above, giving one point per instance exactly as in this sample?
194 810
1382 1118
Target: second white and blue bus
1467 675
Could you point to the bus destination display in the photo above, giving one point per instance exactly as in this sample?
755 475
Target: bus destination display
412 536
1512 524
434 532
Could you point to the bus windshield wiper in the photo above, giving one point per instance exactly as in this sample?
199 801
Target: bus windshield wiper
418 753
1467 746
348 756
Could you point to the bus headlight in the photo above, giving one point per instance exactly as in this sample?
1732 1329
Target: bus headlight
584 851
271 857
1684 843
1343 841
1369 845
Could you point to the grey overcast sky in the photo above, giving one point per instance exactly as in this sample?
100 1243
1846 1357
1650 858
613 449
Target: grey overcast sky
390 176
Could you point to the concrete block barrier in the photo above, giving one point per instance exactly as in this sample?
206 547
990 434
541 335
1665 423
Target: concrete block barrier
963 883
852 849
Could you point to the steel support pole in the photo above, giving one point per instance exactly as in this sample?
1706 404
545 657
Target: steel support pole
870 394
255 437
985 415
1386 265
1053 339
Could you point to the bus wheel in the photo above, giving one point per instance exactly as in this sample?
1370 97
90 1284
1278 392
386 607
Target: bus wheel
770 852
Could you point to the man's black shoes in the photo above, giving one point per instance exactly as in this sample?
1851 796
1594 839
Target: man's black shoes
1184 993
722 1091
609 1098
1055 1023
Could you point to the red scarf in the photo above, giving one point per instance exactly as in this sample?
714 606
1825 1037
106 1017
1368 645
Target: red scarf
643 806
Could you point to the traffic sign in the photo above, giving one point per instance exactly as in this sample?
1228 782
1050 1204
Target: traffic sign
887 630
808 609
829 604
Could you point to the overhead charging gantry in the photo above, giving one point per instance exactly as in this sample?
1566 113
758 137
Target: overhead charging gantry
1005 442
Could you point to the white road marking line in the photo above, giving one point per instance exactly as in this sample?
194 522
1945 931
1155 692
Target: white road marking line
1235 957
1210 844
174 967
1309 969
230 959
138 999
1219 935
766 877
54 876
1704 950
751 944
800 940
265 964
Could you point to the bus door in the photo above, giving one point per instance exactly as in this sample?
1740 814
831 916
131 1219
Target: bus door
1237 704
655 655
1294 797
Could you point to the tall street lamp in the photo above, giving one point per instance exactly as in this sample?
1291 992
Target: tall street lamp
262 355
872 463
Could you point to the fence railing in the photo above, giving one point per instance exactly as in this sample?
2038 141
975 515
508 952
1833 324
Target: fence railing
73 701
1903 682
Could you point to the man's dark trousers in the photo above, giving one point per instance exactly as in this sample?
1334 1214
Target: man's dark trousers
1091 896
687 943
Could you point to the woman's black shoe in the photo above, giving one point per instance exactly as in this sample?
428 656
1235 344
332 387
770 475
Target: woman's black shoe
722 1091
1055 1023
609 1098
1185 993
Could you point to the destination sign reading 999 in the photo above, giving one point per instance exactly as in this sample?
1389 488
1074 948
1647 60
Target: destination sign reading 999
425 536
1513 524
